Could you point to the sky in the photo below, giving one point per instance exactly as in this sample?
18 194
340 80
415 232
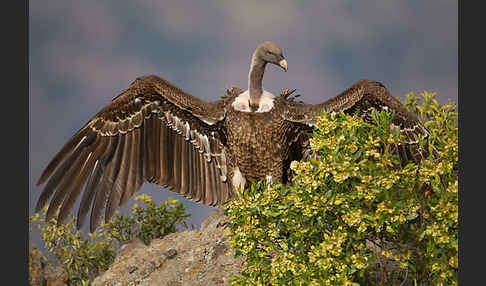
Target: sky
84 53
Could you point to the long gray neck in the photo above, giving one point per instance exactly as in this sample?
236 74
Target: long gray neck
255 78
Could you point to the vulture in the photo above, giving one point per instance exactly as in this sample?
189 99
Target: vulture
156 132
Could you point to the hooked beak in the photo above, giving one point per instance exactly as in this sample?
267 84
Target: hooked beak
283 64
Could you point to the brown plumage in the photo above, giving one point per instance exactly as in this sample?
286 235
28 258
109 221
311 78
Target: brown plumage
202 150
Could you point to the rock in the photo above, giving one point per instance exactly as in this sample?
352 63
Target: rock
190 257
42 273
55 276
36 267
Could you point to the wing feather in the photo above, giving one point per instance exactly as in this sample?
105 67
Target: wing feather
108 183
176 151
55 179
152 132
65 150
191 186
150 146
65 185
165 171
208 196
362 98
169 183
184 159
120 183
134 180
79 182
93 184
132 170
215 184
156 146
201 177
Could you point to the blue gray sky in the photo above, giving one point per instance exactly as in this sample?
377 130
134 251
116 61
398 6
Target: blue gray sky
84 53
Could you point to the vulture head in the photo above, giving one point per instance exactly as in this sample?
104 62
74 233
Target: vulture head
269 52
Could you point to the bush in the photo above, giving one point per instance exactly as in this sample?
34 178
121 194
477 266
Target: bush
84 258
152 221
353 217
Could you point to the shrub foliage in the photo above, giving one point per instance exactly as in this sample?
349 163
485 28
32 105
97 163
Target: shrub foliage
85 257
353 217
149 222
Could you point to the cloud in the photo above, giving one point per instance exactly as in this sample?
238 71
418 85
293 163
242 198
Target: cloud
88 23
93 69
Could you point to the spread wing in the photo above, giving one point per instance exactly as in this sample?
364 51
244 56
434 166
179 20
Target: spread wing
151 132
362 98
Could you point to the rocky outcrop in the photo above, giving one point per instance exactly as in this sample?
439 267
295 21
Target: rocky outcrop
190 257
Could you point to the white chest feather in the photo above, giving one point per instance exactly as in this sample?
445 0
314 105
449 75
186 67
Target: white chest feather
242 102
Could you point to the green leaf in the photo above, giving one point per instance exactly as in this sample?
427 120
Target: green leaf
328 194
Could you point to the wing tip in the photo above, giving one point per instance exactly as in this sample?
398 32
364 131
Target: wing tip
39 207
45 175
